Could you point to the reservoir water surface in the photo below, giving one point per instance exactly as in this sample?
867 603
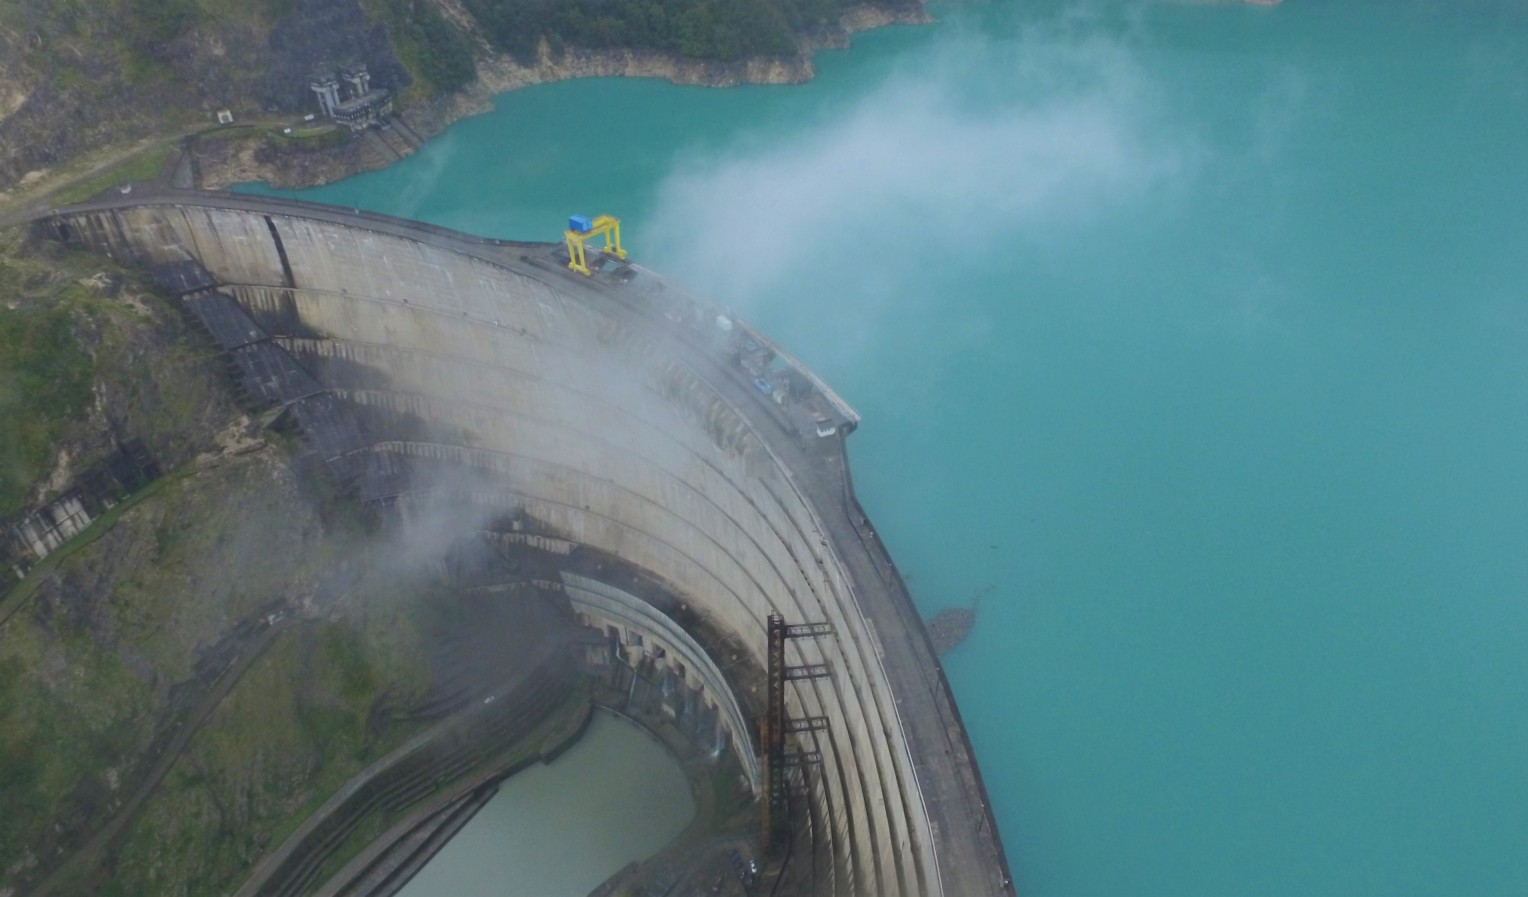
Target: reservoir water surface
1191 342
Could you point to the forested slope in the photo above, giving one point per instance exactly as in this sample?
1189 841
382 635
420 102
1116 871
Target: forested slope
697 29
231 571
81 74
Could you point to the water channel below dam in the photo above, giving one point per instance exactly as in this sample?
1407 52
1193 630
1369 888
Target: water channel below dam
560 829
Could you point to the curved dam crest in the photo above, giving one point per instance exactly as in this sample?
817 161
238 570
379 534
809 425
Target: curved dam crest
617 414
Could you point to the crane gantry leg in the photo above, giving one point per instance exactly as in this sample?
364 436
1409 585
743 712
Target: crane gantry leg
581 229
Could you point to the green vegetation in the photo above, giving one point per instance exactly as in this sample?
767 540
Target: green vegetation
445 56
69 715
90 356
191 557
120 71
232 132
310 132
36 758
144 166
433 51
45 376
22 592
700 29
312 139
292 732
157 22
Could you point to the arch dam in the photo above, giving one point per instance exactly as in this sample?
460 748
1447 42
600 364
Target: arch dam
619 413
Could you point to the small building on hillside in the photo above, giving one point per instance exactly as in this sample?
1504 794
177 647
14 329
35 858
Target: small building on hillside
347 97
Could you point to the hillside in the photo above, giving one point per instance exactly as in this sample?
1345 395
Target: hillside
229 640
156 622
81 75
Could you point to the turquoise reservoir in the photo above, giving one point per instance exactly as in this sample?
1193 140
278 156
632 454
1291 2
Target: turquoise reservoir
1192 345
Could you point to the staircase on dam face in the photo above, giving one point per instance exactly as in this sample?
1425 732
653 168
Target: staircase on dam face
392 138
404 131
775 726
379 145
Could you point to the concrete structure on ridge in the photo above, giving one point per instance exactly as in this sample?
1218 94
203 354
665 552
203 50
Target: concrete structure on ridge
618 415
360 105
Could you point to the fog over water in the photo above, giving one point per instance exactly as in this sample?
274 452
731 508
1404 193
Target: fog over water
1190 342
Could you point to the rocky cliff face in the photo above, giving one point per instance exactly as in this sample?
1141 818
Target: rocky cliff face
119 365
499 73
220 163
220 166
324 34
75 77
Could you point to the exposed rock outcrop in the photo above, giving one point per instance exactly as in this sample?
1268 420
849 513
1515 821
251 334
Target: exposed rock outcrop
79 78
498 73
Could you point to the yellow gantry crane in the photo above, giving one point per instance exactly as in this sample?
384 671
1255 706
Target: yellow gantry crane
581 229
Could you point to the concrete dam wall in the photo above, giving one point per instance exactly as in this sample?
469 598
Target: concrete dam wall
610 413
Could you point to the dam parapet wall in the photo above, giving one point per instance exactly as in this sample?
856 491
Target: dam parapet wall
768 352
584 407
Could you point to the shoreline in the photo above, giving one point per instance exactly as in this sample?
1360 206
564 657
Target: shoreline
220 164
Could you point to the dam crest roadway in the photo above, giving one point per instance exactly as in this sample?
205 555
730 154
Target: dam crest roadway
619 416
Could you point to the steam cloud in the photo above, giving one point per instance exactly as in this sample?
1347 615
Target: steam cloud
972 144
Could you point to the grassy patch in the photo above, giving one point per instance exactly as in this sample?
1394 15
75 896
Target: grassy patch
314 138
438 56
144 166
699 29
311 132
201 552
292 732
45 382
70 715
233 132
67 348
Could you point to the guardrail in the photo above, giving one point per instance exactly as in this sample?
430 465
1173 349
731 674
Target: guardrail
845 411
